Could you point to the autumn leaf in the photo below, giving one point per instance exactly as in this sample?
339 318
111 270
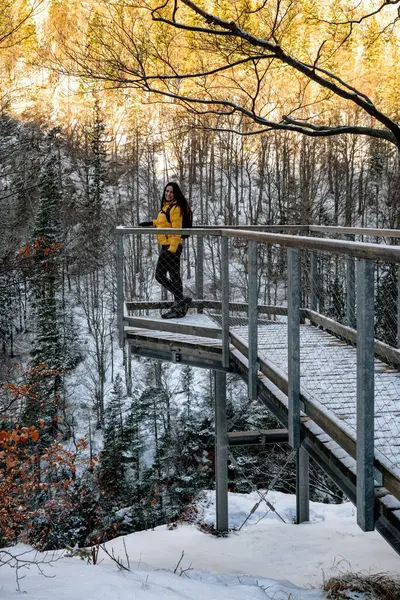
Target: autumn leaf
11 461
35 435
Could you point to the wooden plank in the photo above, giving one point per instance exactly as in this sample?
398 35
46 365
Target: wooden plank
131 305
204 229
261 437
380 348
174 343
357 249
173 327
370 231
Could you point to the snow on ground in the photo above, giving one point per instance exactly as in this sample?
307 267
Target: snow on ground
265 559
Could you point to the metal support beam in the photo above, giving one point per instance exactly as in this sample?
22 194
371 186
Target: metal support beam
302 486
365 394
120 287
221 453
225 300
294 346
200 271
253 318
351 293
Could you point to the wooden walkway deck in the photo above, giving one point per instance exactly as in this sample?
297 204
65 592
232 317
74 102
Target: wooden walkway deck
328 391
328 376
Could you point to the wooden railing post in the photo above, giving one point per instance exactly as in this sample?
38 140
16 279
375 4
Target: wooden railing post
120 286
365 394
200 271
253 320
221 452
225 300
302 486
294 346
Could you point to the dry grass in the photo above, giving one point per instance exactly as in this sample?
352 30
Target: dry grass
378 586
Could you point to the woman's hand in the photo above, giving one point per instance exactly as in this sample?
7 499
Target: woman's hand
146 224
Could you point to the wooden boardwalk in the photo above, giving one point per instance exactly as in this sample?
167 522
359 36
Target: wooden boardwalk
328 392
322 421
328 376
327 368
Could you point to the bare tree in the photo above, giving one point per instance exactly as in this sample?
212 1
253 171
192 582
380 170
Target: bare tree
237 63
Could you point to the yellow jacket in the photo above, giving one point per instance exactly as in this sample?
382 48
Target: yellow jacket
175 216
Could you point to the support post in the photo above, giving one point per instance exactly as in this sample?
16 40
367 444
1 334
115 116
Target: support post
302 486
253 320
221 453
294 346
225 300
120 287
365 394
313 281
200 271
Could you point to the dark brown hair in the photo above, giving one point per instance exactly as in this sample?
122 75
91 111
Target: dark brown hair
178 196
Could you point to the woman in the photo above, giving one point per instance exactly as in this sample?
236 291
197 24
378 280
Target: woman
173 206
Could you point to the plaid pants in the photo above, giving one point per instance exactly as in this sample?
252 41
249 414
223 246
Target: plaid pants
169 263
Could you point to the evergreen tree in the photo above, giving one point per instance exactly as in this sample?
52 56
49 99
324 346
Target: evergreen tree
93 242
46 351
113 465
54 350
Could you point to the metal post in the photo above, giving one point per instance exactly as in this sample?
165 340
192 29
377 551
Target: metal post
225 300
120 287
365 394
200 271
313 281
351 293
221 453
294 346
302 486
253 318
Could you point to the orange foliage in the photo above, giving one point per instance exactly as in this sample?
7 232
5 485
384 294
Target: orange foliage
34 479
40 245
26 469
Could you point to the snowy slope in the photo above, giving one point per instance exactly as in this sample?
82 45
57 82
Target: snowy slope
267 558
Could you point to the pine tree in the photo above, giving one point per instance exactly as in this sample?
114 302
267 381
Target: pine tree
47 344
93 244
113 465
54 350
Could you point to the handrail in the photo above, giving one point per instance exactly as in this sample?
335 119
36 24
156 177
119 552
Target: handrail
349 248
372 231
335 229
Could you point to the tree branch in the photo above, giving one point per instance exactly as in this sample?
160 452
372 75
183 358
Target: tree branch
287 124
320 76
363 17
